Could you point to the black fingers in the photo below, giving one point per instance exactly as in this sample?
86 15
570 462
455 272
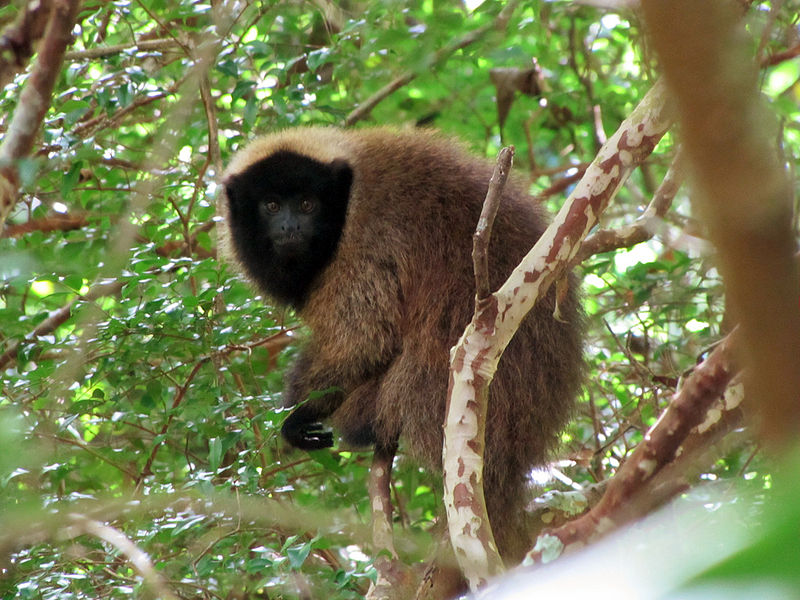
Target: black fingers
306 435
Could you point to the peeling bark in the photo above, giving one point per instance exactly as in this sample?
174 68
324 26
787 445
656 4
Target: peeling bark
497 316
626 497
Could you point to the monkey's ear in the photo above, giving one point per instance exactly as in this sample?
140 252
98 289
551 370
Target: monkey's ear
231 185
230 191
342 176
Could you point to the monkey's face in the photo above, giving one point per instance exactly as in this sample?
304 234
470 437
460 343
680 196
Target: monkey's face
286 215
290 223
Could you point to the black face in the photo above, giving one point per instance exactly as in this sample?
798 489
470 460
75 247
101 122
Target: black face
286 217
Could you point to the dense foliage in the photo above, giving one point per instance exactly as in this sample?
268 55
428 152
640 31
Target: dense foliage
141 375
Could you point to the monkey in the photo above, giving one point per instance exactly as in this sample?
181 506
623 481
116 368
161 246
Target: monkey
367 235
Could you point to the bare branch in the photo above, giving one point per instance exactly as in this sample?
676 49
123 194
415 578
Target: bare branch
550 258
18 39
213 130
465 424
706 443
475 357
142 46
57 222
59 317
778 57
102 121
380 475
137 557
393 575
483 232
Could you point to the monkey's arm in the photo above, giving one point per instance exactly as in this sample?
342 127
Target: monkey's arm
303 427
354 319
353 414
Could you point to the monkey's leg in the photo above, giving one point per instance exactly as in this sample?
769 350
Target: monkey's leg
380 477
355 418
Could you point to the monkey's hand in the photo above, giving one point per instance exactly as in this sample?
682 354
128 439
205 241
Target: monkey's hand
306 435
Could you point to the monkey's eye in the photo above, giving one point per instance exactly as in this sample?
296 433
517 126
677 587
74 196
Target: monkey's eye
272 207
307 206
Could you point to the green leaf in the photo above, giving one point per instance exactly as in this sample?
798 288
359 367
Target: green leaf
215 453
243 89
317 58
71 178
297 554
327 459
782 77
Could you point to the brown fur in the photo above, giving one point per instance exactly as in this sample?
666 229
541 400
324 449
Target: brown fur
399 292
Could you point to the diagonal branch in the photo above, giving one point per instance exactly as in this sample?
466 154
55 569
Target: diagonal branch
58 318
642 228
476 355
626 496
18 39
34 101
549 260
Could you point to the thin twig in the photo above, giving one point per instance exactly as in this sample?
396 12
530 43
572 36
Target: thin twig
142 46
213 131
483 232
146 470
137 557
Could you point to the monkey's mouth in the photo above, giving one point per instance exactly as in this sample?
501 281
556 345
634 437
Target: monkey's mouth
290 245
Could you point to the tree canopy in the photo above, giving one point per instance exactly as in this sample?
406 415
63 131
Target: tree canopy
141 375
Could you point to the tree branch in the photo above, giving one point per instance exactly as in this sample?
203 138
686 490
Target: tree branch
34 101
551 257
483 232
475 357
625 498
467 402
57 222
393 575
142 46
18 39
743 194
58 318
138 558
643 227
